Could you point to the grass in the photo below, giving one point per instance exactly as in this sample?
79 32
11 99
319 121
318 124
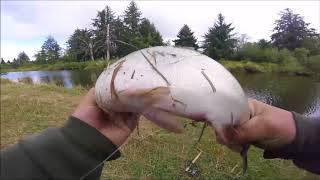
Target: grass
252 67
87 65
154 154
233 66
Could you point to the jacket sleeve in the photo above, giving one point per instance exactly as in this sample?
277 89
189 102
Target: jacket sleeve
304 151
68 152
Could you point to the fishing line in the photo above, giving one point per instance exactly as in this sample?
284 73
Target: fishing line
102 162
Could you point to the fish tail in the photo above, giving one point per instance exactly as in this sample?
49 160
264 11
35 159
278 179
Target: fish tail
244 155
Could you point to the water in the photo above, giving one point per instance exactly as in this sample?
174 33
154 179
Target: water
64 78
300 94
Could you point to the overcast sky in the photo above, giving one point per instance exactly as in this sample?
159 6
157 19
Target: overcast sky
25 24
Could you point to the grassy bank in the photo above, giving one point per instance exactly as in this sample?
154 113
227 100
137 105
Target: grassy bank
233 66
155 154
87 65
252 67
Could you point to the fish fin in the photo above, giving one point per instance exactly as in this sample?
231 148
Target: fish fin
145 98
164 120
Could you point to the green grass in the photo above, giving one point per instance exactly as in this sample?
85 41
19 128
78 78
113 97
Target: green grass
252 67
87 65
154 154
233 66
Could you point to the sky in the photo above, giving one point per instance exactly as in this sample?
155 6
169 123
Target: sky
26 24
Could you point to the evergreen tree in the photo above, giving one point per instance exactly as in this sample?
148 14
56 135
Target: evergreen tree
290 30
120 34
150 35
131 34
100 23
2 61
50 51
186 38
81 45
219 42
22 58
15 63
132 17
41 56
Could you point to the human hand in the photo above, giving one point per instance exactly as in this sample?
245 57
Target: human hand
269 127
117 127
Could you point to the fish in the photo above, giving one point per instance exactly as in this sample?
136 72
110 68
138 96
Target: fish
164 82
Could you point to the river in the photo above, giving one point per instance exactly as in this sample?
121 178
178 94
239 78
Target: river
300 94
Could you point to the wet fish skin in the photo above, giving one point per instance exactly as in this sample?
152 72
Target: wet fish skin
164 82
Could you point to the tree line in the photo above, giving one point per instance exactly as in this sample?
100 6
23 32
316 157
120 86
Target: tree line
292 41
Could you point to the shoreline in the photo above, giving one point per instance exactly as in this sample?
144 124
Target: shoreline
233 66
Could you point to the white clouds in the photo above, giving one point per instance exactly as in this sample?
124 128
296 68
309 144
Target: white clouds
12 29
10 50
29 20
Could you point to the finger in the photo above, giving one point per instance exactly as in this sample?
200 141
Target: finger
125 121
250 131
219 139
89 99
132 121
163 119
220 136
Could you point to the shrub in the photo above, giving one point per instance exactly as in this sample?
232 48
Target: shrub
313 63
252 52
301 54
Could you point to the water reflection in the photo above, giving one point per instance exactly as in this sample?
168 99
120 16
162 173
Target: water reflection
61 78
298 94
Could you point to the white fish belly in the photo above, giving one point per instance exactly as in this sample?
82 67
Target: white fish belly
197 83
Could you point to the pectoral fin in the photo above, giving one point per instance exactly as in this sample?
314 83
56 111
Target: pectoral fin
164 119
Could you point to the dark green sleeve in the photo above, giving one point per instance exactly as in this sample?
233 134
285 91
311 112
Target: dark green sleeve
58 153
305 149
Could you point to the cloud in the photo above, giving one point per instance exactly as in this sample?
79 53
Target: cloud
28 21
11 49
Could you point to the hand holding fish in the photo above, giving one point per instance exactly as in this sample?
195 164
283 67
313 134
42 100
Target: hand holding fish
161 83
269 127
117 129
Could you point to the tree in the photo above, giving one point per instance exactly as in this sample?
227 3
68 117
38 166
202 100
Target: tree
242 39
149 34
2 61
312 44
264 44
132 17
290 30
15 63
122 35
50 51
301 54
22 58
186 38
219 42
104 25
41 56
131 34
81 44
